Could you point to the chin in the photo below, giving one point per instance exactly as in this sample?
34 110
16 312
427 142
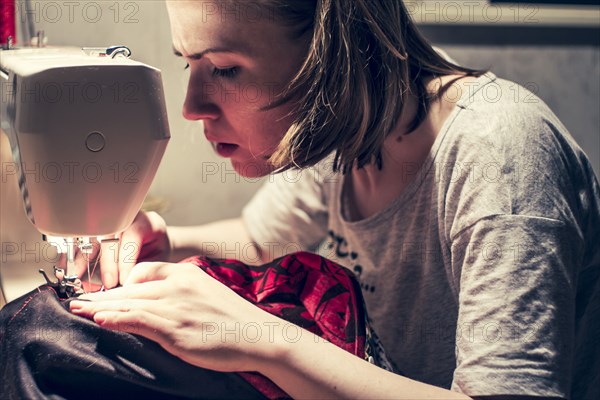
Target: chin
256 169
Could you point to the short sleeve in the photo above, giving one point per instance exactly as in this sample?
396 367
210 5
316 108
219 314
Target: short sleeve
290 210
516 320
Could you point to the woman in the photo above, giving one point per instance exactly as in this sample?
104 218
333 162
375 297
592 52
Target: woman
465 208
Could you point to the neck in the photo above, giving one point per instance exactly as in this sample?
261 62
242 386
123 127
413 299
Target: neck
370 188
400 151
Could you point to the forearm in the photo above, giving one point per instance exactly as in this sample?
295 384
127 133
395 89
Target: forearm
221 239
224 239
314 369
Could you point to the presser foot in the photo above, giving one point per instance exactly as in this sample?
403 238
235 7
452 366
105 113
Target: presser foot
65 286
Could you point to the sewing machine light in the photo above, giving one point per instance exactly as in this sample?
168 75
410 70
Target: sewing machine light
69 247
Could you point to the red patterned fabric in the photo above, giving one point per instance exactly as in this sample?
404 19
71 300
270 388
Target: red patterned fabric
303 288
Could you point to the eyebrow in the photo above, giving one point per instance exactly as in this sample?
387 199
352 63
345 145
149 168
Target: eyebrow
197 56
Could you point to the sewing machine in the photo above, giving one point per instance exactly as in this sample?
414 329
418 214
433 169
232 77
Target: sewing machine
87 130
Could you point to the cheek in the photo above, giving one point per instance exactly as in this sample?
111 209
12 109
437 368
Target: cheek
278 121
264 129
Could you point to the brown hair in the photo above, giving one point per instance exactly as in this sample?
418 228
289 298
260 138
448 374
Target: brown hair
351 89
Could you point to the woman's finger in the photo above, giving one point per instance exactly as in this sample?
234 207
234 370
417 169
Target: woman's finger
91 308
132 241
146 290
109 263
138 322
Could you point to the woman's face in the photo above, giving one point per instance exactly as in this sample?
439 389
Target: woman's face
240 58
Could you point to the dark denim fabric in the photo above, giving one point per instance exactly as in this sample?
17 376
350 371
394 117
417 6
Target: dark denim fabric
48 353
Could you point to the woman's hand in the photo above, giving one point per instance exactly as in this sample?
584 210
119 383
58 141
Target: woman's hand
190 314
201 321
145 240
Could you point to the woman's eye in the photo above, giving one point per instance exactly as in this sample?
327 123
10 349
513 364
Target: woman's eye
226 72
221 72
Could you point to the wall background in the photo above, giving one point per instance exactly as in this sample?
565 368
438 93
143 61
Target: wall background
199 187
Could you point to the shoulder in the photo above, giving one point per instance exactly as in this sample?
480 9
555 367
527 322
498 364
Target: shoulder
512 155
504 115
307 185
503 122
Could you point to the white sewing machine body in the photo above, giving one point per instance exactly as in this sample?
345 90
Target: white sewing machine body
87 134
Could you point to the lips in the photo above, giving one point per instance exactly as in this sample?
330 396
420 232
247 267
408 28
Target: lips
222 148
226 149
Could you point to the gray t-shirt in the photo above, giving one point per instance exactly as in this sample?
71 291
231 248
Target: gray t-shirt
483 275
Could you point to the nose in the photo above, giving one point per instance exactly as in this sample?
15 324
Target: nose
200 99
